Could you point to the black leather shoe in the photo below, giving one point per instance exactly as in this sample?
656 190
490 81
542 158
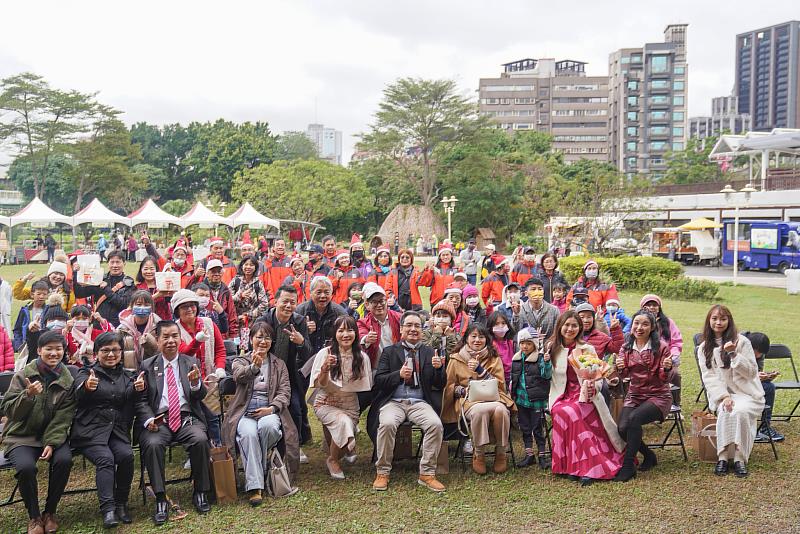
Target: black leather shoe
201 502
123 514
586 481
110 519
740 469
162 513
526 461
721 469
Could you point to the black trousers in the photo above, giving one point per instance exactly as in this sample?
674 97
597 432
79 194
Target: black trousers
192 435
631 421
113 471
530 424
24 460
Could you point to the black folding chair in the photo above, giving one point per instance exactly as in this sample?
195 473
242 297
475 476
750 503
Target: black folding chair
5 382
464 457
698 338
778 351
676 427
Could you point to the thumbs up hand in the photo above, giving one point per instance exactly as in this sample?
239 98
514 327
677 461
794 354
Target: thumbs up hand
91 382
139 383
33 388
194 375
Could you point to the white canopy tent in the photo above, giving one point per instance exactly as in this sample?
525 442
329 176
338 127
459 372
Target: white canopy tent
247 215
153 216
779 142
37 212
96 213
201 215
5 220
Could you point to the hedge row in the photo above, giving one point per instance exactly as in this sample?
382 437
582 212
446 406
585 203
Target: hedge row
656 275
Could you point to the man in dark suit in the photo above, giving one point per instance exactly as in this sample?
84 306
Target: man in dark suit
408 385
170 410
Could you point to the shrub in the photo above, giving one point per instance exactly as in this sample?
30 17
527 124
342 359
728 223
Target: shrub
654 275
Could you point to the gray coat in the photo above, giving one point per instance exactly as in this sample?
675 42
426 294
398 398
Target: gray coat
544 320
280 394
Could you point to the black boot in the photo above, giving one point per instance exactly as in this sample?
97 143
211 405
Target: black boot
162 512
123 514
201 502
544 462
650 460
626 472
526 461
110 519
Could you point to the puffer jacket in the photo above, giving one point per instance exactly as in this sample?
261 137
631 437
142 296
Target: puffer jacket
6 351
136 346
537 375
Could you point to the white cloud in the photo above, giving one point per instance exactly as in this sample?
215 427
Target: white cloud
171 61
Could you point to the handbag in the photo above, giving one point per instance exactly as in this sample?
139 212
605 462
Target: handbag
278 483
483 391
223 475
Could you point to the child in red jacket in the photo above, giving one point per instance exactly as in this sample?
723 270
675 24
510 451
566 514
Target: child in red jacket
82 329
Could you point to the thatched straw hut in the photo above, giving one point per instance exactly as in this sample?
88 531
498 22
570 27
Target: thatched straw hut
411 220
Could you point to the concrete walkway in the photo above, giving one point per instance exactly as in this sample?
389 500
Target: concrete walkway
725 274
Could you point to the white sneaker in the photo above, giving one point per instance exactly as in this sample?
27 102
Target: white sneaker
303 457
468 448
188 464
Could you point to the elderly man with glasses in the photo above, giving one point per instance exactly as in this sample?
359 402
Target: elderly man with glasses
407 386
380 328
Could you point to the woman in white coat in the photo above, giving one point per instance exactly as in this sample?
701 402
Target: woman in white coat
730 375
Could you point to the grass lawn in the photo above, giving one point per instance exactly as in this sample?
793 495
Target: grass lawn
677 496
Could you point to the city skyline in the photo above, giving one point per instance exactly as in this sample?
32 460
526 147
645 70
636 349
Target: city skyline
167 69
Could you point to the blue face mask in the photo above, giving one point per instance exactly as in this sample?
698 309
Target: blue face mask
141 311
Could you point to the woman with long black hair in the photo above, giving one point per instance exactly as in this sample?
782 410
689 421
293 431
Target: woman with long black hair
339 373
670 335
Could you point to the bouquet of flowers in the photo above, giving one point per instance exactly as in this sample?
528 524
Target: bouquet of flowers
589 368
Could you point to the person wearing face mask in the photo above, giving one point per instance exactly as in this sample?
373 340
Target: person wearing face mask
614 310
472 305
534 313
599 291
511 293
492 286
211 308
439 333
503 335
358 258
317 261
53 318
81 330
383 267
56 281
526 268
137 327
180 261
470 260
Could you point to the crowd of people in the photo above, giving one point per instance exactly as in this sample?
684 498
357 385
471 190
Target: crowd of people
101 367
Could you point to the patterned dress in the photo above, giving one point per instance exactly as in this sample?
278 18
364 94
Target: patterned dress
581 446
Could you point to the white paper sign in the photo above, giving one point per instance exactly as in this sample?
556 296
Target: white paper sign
90 272
168 281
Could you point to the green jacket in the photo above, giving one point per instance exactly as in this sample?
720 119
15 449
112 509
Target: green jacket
42 420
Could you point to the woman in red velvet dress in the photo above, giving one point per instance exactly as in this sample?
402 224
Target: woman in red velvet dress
585 442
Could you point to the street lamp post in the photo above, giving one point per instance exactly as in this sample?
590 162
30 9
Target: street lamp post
449 207
729 191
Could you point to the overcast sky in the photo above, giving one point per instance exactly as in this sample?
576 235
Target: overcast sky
171 61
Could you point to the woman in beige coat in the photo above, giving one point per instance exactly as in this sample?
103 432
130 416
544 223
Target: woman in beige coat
730 375
258 417
477 359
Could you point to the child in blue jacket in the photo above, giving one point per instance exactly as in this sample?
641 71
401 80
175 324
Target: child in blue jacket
613 308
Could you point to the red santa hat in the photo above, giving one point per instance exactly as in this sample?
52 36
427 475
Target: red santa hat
446 247
383 248
453 287
342 254
216 241
355 240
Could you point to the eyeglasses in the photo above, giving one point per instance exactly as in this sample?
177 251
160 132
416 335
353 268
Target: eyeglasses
106 352
261 338
415 326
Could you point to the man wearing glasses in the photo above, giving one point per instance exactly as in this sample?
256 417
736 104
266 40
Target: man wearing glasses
380 328
407 386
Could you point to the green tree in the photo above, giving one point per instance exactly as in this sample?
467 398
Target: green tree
167 148
223 148
60 192
39 119
295 145
176 207
414 118
692 166
306 190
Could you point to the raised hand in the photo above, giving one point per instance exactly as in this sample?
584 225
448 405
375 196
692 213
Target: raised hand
91 382
311 325
194 375
139 384
371 338
436 360
33 388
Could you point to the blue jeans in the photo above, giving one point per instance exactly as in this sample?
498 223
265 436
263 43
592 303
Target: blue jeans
472 279
769 400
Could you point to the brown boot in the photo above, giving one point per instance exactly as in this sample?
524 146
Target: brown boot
50 523
430 482
500 461
35 526
479 462
381 482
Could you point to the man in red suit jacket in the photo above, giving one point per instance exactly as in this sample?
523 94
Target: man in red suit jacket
380 328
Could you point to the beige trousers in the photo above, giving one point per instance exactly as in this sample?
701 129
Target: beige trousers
392 415
485 415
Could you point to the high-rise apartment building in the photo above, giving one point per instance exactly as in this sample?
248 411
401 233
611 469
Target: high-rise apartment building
554 97
648 101
768 75
328 141
725 118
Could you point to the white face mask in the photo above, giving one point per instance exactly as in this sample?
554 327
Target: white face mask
612 309
500 330
178 262
530 257
81 324
204 302
592 273
472 301
441 321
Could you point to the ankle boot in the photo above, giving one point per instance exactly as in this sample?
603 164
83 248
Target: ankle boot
627 472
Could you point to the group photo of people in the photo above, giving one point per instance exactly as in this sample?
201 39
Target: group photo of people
281 350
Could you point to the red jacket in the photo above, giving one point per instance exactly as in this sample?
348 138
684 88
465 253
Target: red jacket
228 268
604 344
197 350
369 323
522 272
381 279
392 284
303 285
492 289
438 279
6 351
598 293
349 275
275 272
